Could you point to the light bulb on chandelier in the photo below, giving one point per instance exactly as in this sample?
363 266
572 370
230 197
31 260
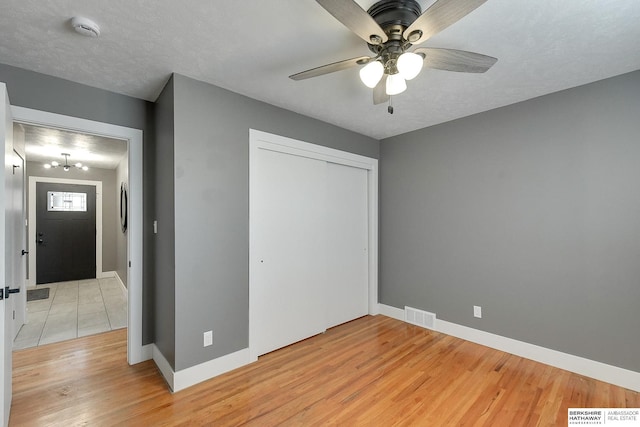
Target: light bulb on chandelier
66 167
409 65
371 73
395 84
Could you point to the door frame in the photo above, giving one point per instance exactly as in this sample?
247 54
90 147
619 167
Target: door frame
259 140
20 309
136 352
33 180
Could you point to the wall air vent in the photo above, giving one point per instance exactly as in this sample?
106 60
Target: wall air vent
419 317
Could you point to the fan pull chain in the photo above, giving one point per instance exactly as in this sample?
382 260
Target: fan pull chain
390 107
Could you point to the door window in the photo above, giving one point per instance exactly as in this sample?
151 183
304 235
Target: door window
65 201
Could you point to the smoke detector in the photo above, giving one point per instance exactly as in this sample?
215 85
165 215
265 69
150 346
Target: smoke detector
85 26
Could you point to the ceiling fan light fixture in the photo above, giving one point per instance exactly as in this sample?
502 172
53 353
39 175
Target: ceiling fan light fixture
395 84
371 73
409 65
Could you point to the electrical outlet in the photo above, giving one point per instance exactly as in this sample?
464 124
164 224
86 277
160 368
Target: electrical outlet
208 338
477 311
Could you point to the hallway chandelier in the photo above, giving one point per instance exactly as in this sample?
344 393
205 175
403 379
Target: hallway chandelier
66 167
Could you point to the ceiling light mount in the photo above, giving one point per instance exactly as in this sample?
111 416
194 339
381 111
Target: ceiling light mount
85 26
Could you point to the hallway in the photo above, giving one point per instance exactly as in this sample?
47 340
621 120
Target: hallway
74 309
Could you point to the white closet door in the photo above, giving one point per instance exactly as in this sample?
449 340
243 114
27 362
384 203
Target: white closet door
347 258
288 294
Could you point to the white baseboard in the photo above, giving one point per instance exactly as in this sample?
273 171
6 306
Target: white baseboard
117 277
105 274
146 353
590 368
393 312
163 365
196 374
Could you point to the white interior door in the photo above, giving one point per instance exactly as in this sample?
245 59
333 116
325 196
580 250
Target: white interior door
6 311
287 296
347 232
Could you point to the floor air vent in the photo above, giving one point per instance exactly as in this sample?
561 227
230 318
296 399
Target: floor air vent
419 317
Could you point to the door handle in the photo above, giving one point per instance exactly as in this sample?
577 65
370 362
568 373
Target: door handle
40 241
24 252
8 291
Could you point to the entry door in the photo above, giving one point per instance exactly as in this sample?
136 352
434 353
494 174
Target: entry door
65 232
6 310
19 230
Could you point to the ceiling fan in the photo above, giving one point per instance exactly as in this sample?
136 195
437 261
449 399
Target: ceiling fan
391 28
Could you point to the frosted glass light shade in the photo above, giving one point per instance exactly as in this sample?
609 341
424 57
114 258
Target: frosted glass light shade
371 73
409 65
396 84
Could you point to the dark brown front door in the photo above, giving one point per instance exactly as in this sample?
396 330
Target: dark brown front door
65 232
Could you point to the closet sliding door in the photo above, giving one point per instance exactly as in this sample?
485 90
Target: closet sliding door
310 231
347 234
290 239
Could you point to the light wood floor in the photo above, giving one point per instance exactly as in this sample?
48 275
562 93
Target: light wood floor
372 371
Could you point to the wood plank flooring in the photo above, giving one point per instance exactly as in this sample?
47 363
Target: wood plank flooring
374 371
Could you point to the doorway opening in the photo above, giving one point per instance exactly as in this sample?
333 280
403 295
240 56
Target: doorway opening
132 164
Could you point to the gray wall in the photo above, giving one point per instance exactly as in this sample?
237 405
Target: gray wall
165 248
109 205
212 208
41 92
531 211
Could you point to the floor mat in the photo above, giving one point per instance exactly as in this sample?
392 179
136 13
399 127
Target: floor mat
36 294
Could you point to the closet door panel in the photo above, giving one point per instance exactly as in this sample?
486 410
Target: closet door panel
290 255
347 259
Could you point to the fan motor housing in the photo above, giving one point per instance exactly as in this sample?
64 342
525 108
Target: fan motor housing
394 16
395 12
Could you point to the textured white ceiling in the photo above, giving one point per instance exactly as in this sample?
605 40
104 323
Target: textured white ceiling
44 145
251 47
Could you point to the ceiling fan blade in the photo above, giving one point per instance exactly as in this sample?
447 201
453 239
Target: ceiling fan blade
356 19
455 60
380 91
331 68
439 16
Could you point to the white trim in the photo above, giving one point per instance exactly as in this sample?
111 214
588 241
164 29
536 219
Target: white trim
259 140
209 369
393 312
163 365
105 274
590 368
122 286
196 374
135 228
33 252
147 352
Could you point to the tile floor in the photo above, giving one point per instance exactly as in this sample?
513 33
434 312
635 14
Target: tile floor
74 309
